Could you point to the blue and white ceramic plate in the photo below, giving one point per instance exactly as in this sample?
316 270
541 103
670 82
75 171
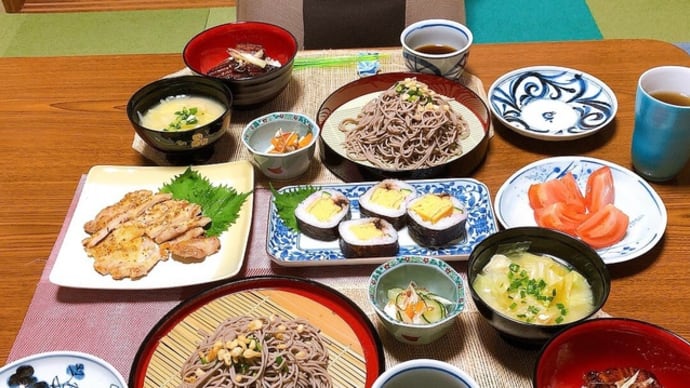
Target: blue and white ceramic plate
634 196
290 248
61 369
552 103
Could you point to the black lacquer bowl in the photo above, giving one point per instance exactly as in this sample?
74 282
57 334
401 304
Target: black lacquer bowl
180 143
570 251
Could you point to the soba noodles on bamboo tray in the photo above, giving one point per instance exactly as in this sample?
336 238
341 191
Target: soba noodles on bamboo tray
259 352
408 126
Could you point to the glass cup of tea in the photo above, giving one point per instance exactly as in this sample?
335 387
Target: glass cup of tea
436 46
661 136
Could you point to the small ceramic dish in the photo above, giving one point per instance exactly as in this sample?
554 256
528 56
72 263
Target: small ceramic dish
635 197
257 136
61 369
552 103
432 274
425 372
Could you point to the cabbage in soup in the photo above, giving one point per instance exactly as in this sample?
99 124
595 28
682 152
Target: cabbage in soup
181 113
534 288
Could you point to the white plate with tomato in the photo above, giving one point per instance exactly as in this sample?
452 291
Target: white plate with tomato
605 205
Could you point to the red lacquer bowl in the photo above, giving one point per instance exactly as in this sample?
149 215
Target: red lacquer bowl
209 48
357 356
600 344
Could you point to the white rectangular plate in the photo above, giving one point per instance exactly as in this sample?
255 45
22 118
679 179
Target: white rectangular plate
105 185
290 248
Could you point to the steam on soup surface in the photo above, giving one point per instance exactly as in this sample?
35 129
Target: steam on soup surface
534 288
181 113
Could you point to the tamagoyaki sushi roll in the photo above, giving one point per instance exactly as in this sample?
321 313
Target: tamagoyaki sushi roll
368 237
320 213
435 219
388 200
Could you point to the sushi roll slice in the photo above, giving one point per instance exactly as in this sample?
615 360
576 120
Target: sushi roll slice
435 219
368 237
388 200
320 213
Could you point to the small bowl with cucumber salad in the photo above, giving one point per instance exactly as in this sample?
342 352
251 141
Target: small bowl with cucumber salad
181 115
417 298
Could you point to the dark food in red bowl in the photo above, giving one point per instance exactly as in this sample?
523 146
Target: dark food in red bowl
613 349
208 51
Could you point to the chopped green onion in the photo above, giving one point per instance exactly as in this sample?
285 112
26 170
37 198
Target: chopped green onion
184 117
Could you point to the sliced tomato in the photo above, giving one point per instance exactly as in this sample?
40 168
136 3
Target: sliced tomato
572 194
560 216
599 191
563 189
603 228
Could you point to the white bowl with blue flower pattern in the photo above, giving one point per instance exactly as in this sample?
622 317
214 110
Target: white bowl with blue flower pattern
552 103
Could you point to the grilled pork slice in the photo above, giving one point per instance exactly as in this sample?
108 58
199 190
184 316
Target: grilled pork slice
171 219
133 205
621 378
128 238
126 253
196 248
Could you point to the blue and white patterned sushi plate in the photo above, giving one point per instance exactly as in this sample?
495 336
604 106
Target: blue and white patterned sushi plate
290 248
552 103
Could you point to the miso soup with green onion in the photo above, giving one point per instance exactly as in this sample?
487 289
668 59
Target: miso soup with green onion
534 288
181 113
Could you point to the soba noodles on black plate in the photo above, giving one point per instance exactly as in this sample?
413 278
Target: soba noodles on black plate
259 352
408 126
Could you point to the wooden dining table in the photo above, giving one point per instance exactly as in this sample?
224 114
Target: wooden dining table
62 115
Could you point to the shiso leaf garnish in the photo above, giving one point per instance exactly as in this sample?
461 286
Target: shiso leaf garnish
286 202
220 203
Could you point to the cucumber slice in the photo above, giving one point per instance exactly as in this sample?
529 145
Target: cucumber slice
434 312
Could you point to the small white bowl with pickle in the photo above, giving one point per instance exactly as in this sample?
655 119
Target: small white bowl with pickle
281 144
417 298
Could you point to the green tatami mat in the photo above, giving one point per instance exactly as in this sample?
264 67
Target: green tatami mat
130 32
530 20
667 20
9 24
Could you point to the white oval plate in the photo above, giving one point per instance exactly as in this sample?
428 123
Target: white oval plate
62 369
634 196
552 103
